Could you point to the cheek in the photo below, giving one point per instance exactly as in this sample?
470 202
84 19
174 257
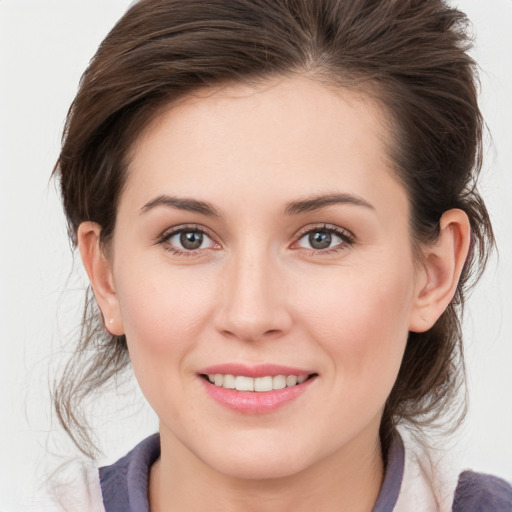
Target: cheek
163 314
163 311
361 319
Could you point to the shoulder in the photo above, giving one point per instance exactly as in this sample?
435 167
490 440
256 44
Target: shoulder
73 487
432 482
124 484
477 492
78 486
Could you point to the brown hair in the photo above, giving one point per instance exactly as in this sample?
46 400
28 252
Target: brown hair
410 55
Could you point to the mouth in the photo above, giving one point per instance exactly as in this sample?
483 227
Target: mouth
255 390
264 384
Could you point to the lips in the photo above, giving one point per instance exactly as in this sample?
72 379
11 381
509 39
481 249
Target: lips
255 389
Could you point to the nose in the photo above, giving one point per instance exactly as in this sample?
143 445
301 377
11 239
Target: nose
253 302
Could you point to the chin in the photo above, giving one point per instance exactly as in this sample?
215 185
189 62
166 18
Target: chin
259 462
260 468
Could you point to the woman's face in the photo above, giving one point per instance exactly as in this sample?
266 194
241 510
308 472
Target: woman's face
262 238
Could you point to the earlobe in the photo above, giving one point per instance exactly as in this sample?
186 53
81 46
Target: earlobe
440 271
99 270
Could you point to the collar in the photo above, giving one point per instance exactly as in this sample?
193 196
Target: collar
124 484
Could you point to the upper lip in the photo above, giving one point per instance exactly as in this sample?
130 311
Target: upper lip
259 370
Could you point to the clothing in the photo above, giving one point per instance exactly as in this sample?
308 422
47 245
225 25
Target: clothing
408 485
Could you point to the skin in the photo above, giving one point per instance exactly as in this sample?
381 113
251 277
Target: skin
257 292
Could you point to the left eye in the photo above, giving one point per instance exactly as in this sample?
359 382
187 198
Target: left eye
321 239
190 240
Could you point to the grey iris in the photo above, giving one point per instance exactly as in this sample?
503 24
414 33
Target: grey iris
320 239
191 239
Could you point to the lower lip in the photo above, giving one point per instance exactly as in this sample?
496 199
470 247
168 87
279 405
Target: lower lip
253 402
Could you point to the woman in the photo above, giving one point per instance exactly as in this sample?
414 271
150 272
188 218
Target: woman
276 204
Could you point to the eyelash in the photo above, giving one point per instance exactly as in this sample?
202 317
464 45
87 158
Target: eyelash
347 239
166 237
345 236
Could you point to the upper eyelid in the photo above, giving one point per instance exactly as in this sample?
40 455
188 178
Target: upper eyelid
169 232
326 227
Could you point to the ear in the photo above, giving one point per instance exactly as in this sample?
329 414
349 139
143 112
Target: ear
99 270
440 270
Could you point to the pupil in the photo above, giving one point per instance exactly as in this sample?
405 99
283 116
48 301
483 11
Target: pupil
191 240
320 239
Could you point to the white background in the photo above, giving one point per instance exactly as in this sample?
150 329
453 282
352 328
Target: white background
44 47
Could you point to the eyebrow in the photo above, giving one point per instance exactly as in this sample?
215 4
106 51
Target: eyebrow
182 203
314 203
297 207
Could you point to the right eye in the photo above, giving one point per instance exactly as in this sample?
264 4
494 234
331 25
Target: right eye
187 240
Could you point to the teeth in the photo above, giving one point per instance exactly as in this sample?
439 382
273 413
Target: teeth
244 383
279 382
291 380
229 382
259 384
263 384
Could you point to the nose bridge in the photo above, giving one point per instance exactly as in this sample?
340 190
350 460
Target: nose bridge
253 301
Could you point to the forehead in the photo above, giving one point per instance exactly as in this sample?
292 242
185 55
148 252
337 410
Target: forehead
280 138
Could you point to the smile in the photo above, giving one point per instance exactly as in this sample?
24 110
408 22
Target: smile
255 389
259 384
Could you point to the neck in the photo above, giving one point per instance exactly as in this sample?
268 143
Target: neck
347 480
